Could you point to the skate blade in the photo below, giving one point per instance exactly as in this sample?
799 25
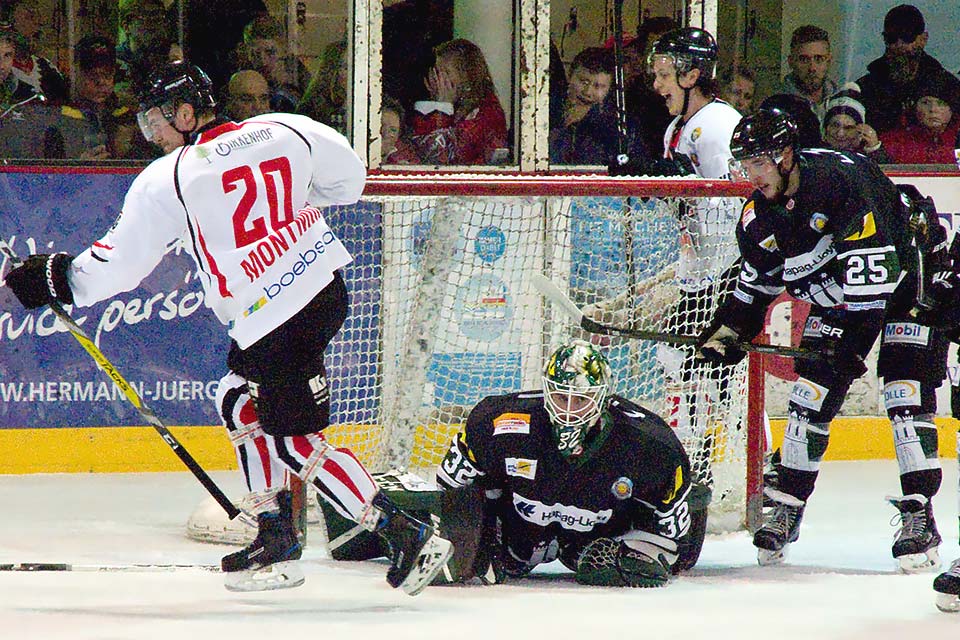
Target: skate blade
768 557
948 602
433 557
919 562
282 575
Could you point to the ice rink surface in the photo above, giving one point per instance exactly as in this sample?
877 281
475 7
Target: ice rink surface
839 582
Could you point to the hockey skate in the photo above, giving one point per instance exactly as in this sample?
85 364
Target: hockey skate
917 541
417 553
947 586
269 562
780 529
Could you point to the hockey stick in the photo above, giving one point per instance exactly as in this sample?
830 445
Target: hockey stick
105 568
145 412
552 292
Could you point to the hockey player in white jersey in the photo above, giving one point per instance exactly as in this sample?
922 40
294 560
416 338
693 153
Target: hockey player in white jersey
696 144
244 198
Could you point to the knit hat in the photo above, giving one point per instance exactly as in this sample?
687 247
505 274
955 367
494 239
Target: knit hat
846 101
93 52
903 22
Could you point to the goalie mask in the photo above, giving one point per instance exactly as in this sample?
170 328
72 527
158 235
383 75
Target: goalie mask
575 385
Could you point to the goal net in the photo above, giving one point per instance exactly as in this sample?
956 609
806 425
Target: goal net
443 311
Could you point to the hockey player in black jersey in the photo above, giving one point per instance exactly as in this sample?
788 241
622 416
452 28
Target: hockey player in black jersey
832 230
571 472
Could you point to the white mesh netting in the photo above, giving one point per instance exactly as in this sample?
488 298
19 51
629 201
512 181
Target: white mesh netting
443 311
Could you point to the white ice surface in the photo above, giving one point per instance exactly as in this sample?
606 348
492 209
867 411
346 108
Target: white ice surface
840 581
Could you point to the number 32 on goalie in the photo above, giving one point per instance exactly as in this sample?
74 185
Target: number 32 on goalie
675 523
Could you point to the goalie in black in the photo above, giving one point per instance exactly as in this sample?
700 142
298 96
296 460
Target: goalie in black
571 472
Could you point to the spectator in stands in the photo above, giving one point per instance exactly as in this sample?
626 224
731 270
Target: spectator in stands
809 62
22 118
801 111
395 148
12 89
212 31
325 99
588 133
645 107
94 125
463 122
738 86
844 127
247 95
895 81
146 41
264 48
930 138
29 65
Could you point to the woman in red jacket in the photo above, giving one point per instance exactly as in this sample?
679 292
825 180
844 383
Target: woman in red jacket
930 138
463 122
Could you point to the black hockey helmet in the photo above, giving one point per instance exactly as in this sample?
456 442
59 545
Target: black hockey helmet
177 82
800 111
768 131
689 48
172 84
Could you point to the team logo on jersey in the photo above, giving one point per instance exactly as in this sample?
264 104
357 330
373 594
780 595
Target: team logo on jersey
622 488
695 159
319 389
521 468
901 393
818 222
509 423
696 134
869 228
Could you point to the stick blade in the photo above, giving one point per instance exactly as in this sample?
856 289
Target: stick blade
552 292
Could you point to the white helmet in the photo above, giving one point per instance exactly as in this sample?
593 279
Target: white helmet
575 385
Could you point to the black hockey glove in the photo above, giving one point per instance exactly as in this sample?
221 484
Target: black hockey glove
941 301
41 279
718 344
606 562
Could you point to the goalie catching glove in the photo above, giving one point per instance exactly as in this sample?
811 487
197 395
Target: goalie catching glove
606 562
718 344
41 279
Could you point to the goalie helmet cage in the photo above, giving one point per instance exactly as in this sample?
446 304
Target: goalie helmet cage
443 313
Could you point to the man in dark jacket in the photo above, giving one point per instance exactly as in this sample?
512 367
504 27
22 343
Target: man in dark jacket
895 81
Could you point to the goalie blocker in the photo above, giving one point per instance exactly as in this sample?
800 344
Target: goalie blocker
468 520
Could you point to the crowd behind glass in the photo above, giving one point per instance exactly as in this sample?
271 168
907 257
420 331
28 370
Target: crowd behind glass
440 105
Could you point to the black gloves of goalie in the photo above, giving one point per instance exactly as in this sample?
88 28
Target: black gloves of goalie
606 562
41 279
719 344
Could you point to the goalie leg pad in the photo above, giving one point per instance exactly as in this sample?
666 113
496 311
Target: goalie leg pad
606 562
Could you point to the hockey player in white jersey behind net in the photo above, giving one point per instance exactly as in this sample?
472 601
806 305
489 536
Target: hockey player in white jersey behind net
696 144
242 197
571 472
832 230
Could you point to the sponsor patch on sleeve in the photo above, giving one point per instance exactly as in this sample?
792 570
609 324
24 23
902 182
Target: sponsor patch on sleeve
521 467
749 214
509 423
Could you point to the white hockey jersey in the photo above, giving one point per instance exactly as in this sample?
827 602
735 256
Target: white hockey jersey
243 199
707 239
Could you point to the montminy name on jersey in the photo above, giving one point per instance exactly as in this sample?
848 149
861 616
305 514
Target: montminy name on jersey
243 140
271 248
